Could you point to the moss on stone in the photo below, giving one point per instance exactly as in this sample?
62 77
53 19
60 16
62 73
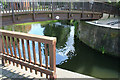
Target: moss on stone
41 22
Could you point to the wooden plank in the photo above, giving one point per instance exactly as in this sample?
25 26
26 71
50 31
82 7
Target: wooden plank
3 48
28 48
40 56
3 60
29 65
38 38
52 54
13 41
10 46
19 51
52 45
46 58
6 45
34 54
23 49
29 54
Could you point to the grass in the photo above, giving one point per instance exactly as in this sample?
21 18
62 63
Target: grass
41 22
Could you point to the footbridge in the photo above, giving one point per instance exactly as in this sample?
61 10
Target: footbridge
21 12
13 45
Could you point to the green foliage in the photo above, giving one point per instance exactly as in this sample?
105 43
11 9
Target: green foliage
71 21
4 4
58 31
41 22
109 1
104 36
75 23
118 4
102 49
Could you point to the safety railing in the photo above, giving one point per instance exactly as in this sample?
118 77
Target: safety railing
23 7
30 51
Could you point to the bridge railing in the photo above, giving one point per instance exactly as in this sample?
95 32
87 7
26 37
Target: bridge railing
29 51
15 7
105 8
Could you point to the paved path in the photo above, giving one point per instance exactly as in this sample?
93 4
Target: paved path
10 71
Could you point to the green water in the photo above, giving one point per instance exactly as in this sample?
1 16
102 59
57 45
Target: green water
71 53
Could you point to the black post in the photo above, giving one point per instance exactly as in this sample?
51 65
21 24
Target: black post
30 6
33 12
9 6
13 15
102 8
3 62
52 10
93 6
82 9
69 14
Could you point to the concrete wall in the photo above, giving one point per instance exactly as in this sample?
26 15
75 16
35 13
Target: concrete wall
103 39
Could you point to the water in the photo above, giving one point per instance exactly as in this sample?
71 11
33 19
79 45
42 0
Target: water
71 53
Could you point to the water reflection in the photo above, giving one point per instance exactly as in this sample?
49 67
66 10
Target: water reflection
71 53
65 39
59 31
18 28
91 62
63 33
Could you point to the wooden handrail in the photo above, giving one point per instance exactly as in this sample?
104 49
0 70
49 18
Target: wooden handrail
39 38
49 44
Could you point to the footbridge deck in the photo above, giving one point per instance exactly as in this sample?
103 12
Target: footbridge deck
20 12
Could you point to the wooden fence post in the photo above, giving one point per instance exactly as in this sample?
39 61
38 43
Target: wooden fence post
52 54
1 49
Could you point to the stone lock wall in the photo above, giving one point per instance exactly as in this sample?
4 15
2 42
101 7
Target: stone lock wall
106 40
